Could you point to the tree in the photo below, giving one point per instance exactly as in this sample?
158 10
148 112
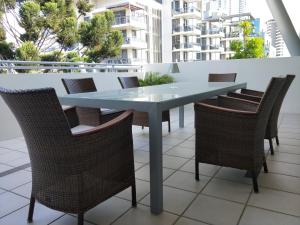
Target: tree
83 7
27 52
250 47
99 39
2 33
6 50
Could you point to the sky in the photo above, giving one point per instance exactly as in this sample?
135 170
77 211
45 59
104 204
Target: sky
259 8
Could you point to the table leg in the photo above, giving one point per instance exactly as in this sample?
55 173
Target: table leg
156 175
181 116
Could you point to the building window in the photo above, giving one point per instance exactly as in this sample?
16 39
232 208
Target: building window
134 53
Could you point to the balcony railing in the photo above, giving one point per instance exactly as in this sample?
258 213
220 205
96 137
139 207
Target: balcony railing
13 66
130 40
211 32
233 35
212 47
187 28
119 20
186 45
186 10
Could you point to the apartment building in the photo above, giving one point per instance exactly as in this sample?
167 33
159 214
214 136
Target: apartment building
276 39
140 24
186 30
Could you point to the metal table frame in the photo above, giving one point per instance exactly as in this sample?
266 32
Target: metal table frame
154 109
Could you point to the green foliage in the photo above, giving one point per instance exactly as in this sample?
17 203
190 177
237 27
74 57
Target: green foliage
55 56
154 78
27 52
31 20
67 35
100 41
73 57
250 47
2 33
83 7
6 50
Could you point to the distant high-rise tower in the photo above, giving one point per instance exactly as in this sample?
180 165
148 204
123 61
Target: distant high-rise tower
276 38
242 6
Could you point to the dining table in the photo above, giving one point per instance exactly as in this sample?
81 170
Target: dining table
153 100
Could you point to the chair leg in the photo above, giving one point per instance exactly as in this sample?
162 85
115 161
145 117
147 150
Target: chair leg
80 219
265 167
254 181
277 140
133 195
142 127
197 170
271 146
31 209
169 126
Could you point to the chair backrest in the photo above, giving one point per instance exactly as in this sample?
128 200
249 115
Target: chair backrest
221 77
42 120
129 82
81 85
270 96
278 103
87 116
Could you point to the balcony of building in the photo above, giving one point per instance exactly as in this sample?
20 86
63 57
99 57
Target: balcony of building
130 22
212 33
191 47
187 13
187 30
212 48
134 42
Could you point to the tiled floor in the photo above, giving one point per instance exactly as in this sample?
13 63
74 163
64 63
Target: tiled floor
224 196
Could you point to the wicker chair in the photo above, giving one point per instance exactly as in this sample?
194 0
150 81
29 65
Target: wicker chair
141 118
221 77
230 132
72 172
256 96
88 116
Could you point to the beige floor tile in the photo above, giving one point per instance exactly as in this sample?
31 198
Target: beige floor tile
68 220
4 150
144 173
168 140
188 144
11 156
4 168
280 182
288 149
235 175
107 212
255 216
285 157
41 216
173 162
141 215
175 200
13 144
284 168
19 162
288 135
10 202
24 190
228 190
142 189
186 221
214 211
276 200
138 165
186 181
287 141
181 152
15 179
204 169
141 156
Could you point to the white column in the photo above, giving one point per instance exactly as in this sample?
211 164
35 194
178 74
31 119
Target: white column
285 26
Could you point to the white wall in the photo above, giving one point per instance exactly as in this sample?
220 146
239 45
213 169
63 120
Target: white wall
8 125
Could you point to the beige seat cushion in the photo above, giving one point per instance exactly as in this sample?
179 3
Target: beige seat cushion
81 128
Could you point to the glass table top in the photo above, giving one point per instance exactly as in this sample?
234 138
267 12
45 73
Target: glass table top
158 93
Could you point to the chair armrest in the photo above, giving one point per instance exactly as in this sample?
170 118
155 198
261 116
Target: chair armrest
245 96
71 114
110 116
237 104
252 92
